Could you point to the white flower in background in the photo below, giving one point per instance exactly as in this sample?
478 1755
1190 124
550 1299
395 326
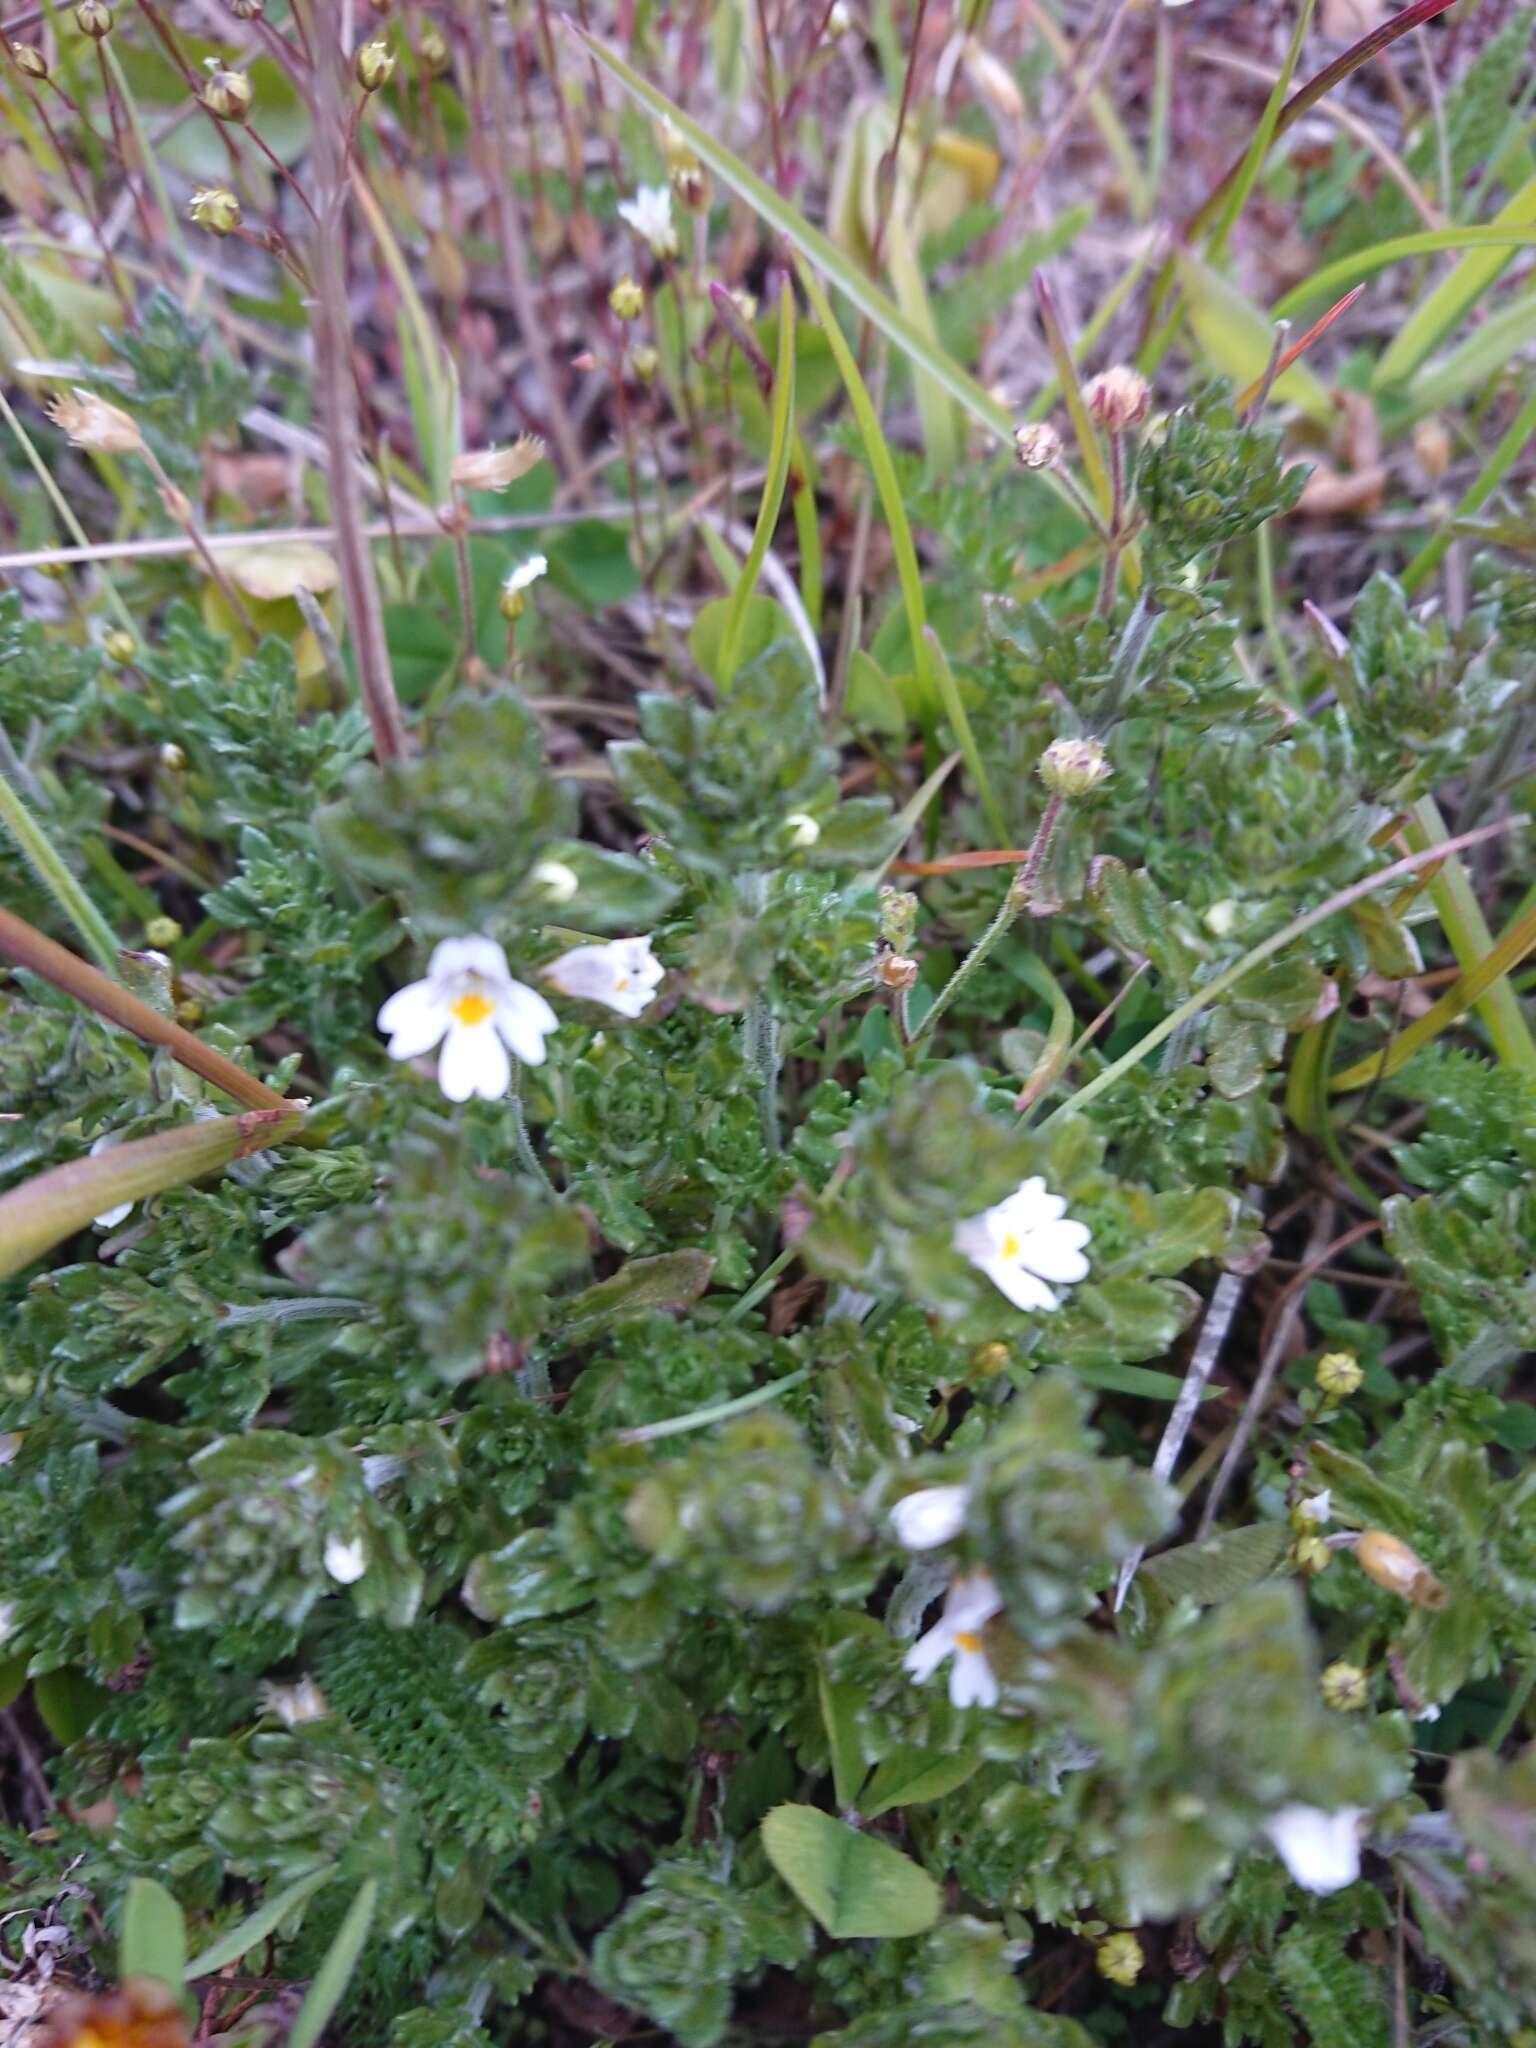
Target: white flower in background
802 828
931 1516
346 1561
558 881
110 1218
649 213
523 575
1321 1850
625 974
971 1604
291 1704
1024 1242
471 1004
1319 1509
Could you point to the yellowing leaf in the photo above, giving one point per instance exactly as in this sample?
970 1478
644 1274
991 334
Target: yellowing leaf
281 569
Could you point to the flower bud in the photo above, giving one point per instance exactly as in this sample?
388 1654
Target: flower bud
627 299
1120 1959
1345 1688
432 51
245 10
228 93
162 933
120 646
988 1360
29 60
1118 398
1071 768
898 917
1398 1569
374 65
645 363
93 18
558 882
1037 445
172 757
1339 1374
840 20
1432 447
691 186
1311 1554
215 208
745 303
802 828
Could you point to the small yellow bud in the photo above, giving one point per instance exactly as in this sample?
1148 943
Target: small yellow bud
94 18
1398 1569
215 208
189 1011
374 65
1120 1958
432 51
1072 768
120 646
512 604
645 363
228 93
1339 1374
627 299
1118 398
988 1360
1037 445
172 757
1345 1688
161 933
1311 1554
29 60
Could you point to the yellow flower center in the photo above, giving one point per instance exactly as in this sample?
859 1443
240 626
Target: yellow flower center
472 1008
1011 1246
967 1639
621 984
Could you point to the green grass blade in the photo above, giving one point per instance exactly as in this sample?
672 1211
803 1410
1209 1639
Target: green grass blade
1493 472
1348 271
1263 137
809 242
1438 316
1461 918
335 1973
780 436
1468 368
38 850
255 1927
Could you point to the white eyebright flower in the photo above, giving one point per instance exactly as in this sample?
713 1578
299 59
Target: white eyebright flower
971 1604
346 1561
649 213
802 828
625 974
523 574
470 1002
1318 1509
1024 1242
1321 1850
931 1516
558 881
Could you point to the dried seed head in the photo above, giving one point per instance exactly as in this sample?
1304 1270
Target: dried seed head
896 971
1432 447
1071 768
1345 1688
228 94
1399 1569
29 60
374 65
1118 398
1339 1374
493 469
215 208
1038 446
93 18
627 299
90 422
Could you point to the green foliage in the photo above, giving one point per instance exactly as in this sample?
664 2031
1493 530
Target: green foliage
1207 477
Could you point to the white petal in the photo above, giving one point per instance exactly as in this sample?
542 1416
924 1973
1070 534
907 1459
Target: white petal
415 1017
1055 1252
972 1602
1319 1509
931 1516
525 1020
974 1239
110 1218
346 1562
929 1652
472 955
473 1062
972 1681
1029 1206
585 971
1321 1850
1021 1288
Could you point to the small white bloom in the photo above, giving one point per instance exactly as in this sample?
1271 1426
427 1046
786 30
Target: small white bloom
110 1218
931 1516
470 1002
802 828
625 974
291 1704
1025 1241
971 1604
346 1561
1321 1850
649 213
1318 1509
523 574
559 882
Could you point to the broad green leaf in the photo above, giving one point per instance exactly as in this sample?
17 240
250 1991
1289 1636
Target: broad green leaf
672 1280
255 1927
335 1973
1436 318
1211 1572
1237 338
872 699
67 1702
422 648
854 1885
910 1776
764 623
591 562
153 1938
